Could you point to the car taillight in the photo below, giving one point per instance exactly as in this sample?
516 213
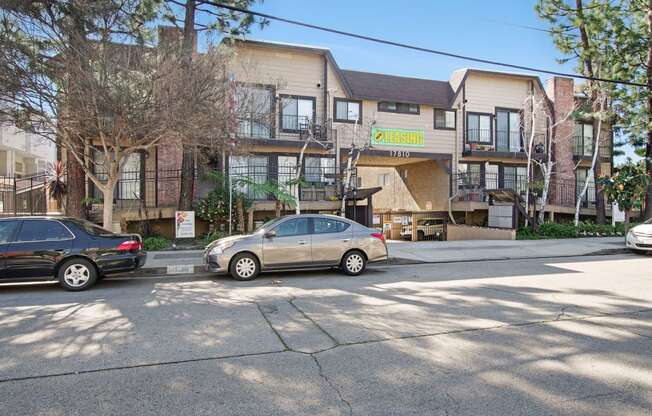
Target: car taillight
130 245
379 236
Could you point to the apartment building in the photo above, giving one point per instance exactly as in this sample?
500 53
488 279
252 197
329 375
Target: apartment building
24 161
423 146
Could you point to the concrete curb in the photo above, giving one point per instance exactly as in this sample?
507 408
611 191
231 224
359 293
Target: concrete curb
393 261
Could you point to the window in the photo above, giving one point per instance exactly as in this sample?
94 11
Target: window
7 229
508 131
348 111
298 226
320 170
478 128
91 228
328 225
43 230
469 173
251 169
394 107
129 180
383 179
297 113
515 177
583 142
580 177
444 119
256 107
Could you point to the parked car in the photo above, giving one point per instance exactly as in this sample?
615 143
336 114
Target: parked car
639 238
75 252
427 229
308 241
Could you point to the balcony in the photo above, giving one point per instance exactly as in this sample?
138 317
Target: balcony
481 142
472 187
306 127
583 149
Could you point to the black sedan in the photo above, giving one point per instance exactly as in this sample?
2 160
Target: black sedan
73 251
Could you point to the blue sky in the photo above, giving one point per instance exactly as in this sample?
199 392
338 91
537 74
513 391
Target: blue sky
486 29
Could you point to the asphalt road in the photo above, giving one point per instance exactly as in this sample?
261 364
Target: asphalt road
538 337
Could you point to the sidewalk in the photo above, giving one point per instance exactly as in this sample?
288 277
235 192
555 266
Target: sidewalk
445 251
477 250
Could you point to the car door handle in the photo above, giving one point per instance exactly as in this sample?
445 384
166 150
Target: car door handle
346 240
302 242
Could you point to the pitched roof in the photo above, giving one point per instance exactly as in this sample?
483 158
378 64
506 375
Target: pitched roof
383 87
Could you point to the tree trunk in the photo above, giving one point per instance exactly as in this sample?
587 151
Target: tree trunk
277 208
600 209
107 210
626 223
648 145
240 209
187 180
588 69
186 187
76 188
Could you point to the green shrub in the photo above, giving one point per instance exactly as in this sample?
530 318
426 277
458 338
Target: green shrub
215 235
155 243
560 230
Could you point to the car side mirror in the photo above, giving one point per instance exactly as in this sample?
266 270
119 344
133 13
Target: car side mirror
270 234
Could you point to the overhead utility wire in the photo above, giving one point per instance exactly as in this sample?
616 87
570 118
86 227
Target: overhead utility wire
419 48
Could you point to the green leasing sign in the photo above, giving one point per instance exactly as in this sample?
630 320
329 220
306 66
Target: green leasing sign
397 137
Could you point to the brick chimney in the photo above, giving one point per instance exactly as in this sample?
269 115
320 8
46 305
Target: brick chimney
561 92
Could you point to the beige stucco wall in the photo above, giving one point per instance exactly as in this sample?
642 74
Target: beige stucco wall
290 72
435 141
466 232
486 92
411 187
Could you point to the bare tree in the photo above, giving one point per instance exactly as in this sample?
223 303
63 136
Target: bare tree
355 151
547 166
104 98
598 115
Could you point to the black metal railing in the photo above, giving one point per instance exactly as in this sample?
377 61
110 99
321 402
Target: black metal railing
473 187
24 195
479 136
584 146
509 141
315 183
306 127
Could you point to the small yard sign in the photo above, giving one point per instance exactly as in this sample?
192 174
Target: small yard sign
184 224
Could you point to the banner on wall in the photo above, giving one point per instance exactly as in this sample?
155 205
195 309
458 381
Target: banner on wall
184 224
397 137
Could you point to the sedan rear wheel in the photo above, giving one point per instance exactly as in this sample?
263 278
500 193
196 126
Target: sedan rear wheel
77 274
244 267
354 263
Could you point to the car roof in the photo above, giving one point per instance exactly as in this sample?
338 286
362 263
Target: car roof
37 217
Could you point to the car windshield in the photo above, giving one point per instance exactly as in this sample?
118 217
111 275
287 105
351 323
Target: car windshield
648 221
91 228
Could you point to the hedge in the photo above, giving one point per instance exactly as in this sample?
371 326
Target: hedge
561 230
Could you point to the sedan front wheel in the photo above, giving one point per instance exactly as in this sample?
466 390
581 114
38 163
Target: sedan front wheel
244 267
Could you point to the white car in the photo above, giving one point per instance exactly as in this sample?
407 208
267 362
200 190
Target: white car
639 238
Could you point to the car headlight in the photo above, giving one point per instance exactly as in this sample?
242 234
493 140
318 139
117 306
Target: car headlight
219 249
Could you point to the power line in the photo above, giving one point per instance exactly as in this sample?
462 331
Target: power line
419 48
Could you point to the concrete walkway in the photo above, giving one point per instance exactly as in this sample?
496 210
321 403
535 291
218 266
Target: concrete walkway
442 251
477 250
